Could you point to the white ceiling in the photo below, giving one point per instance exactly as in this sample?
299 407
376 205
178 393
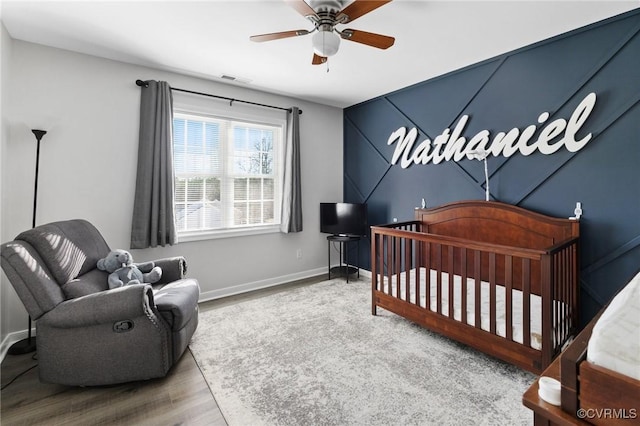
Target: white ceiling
211 38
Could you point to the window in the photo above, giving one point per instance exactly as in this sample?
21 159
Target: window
227 175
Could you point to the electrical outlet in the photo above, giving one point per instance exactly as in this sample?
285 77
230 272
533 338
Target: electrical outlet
299 253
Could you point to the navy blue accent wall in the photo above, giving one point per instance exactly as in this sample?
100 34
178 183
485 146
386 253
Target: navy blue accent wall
509 91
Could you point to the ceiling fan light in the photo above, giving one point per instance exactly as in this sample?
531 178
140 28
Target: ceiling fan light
325 43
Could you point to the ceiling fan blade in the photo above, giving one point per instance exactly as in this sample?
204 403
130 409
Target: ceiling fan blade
359 8
276 36
318 60
301 7
371 39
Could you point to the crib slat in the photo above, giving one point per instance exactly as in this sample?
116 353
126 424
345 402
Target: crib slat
439 278
389 265
558 323
565 303
565 300
565 284
526 302
451 267
492 293
561 297
508 289
397 272
427 277
555 297
418 253
546 269
575 283
567 280
555 302
380 257
407 268
463 285
478 292
375 262
418 276
572 301
374 271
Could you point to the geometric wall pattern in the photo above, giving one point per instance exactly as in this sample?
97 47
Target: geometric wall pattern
511 91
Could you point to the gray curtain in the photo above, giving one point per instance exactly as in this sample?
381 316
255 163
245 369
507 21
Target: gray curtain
291 195
153 221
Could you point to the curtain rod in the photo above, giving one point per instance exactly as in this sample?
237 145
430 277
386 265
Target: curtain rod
142 83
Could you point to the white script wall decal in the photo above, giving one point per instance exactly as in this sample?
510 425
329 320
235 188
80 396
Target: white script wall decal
452 145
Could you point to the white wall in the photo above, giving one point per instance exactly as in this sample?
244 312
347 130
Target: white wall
6 44
90 107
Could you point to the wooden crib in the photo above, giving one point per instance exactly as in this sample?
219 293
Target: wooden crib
493 276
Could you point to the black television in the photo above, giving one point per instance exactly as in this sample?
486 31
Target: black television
343 219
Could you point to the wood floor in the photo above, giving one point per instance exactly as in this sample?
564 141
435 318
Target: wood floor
181 398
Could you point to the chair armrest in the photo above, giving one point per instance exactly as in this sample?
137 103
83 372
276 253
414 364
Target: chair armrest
173 269
177 301
120 303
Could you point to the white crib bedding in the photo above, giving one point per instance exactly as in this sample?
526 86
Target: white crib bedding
615 339
517 305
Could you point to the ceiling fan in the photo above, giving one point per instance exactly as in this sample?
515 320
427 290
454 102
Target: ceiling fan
325 15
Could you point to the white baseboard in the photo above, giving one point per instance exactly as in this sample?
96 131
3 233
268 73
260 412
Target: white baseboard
271 282
12 338
257 285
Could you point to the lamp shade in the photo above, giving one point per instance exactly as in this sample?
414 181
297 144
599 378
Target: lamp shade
325 43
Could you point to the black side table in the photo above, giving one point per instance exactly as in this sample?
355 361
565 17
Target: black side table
343 270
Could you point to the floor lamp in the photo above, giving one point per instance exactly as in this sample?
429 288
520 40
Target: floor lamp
27 345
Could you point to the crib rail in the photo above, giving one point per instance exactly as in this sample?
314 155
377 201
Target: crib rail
564 295
403 257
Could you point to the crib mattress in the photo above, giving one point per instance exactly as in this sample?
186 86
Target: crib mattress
615 340
517 303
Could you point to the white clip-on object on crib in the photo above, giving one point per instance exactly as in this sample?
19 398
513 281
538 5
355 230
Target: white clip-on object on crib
577 212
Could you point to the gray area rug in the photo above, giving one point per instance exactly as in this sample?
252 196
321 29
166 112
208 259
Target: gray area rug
315 355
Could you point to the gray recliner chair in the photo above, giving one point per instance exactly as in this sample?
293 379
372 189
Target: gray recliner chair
87 334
